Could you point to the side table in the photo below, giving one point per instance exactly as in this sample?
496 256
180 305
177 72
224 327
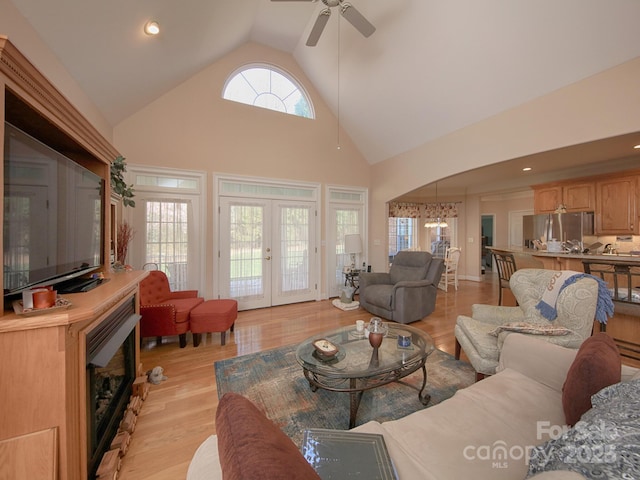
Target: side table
351 279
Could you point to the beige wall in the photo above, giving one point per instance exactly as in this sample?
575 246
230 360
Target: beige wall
501 206
14 26
595 108
192 127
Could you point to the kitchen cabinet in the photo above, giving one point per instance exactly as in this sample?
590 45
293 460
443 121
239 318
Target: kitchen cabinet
547 199
575 196
613 198
616 206
561 262
579 197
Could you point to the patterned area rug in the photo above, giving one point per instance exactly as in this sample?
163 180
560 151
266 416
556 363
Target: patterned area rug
274 381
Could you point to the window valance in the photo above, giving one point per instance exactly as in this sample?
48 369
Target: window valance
441 210
405 210
427 210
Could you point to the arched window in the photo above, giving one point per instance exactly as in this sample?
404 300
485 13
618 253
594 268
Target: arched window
266 86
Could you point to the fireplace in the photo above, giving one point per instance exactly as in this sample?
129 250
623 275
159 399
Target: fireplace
111 371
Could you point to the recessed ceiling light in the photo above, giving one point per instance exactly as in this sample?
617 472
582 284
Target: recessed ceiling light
151 28
526 169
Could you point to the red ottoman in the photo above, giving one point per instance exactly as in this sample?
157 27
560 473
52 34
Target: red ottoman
213 316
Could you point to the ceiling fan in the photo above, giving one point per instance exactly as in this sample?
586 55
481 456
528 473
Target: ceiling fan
348 11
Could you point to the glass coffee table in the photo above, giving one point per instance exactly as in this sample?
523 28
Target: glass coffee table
354 369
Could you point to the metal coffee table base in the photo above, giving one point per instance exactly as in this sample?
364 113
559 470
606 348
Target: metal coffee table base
356 386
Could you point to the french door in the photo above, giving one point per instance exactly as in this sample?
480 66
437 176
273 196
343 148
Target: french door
267 251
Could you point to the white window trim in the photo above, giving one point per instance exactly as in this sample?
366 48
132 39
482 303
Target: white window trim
219 180
160 193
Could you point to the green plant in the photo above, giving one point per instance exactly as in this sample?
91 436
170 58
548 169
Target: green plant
118 185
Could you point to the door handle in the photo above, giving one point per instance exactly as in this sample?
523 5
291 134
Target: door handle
267 258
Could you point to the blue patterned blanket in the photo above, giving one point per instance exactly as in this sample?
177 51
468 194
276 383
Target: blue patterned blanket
564 278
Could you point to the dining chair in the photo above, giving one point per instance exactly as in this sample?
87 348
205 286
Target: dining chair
506 265
450 273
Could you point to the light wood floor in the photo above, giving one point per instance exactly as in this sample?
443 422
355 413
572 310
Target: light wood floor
179 413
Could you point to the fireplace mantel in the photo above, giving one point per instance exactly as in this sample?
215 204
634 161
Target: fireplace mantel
83 307
42 366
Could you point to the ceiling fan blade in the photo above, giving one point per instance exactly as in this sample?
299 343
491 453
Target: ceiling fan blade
355 18
318 27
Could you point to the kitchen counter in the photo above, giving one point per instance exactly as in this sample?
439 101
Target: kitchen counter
613 258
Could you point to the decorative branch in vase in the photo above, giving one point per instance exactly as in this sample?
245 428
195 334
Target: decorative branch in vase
125 234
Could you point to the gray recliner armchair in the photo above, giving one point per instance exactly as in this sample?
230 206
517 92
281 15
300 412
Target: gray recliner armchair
408 292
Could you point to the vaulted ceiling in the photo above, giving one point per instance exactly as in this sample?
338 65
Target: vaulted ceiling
430 68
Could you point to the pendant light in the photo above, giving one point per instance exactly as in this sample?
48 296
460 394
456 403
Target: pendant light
436 222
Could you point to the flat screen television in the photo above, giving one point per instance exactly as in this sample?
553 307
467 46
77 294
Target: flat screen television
53 215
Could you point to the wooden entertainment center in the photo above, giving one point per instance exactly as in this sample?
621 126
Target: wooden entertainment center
43 358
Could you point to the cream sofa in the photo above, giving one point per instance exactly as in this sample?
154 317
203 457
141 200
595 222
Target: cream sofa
482 432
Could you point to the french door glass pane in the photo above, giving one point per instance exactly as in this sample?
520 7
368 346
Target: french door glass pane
294 248
167 228
246 242
347 222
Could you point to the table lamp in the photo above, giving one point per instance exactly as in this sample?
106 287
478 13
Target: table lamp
353 245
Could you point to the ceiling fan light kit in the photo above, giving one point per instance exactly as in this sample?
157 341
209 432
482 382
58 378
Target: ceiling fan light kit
347 10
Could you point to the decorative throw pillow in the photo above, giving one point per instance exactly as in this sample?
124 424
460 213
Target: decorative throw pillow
531 328
605 443
597 365
251 446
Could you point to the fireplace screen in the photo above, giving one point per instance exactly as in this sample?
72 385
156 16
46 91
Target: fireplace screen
110 374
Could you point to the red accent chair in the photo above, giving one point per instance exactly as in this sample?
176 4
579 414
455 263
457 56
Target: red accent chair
165 312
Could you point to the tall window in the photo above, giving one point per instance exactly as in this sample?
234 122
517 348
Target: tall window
168 220
266 86
168 239
403 235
